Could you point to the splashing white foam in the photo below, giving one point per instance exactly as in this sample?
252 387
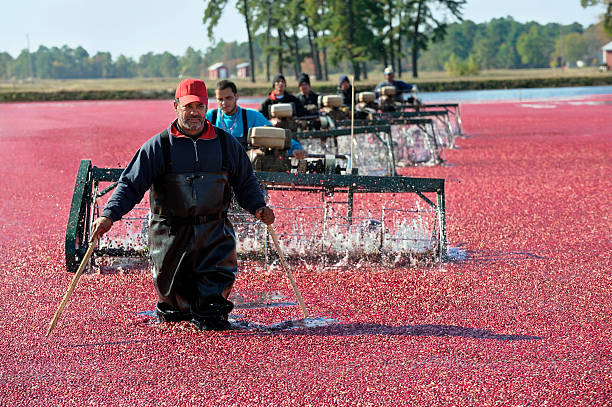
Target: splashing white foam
400 236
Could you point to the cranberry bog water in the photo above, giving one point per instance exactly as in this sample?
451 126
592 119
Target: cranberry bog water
520 314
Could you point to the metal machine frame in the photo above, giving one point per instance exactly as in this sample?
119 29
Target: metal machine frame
334 133
453 109
88 178
425 124
440 116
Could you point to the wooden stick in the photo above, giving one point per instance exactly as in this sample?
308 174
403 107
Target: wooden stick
284 263
72 285
353 162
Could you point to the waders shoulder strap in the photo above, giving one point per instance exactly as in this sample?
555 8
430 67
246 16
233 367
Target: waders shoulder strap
245 126
165 142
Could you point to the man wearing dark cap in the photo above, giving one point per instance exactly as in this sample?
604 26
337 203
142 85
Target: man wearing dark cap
309 99
400 86
346 90
189 169
280 95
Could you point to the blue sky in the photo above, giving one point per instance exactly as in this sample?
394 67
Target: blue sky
135 27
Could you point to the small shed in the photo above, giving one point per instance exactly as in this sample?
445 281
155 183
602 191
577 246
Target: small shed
244 70
606 54
218 71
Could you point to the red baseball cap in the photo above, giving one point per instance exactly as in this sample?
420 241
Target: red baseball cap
191 90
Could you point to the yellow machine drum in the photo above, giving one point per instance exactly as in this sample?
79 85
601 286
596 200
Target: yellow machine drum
387 90
332 100
281 110
367 97
269 137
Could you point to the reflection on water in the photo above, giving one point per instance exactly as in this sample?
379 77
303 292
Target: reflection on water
514 94
260 300
312 322
257 300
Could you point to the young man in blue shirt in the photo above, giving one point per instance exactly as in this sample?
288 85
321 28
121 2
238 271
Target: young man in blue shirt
238 120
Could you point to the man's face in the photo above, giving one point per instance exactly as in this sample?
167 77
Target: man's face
345 85
304 88
226 100
279 87
191 117
389 77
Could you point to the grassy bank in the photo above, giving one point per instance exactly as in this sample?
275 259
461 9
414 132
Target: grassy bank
163 88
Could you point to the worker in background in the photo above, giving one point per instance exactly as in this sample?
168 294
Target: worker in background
307 96
279 94
346 90
401 87
237 120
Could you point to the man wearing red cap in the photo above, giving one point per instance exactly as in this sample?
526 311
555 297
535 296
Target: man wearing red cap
191 169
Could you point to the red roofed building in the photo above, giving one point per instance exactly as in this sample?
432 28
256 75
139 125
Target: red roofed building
244 70
606 55
218 71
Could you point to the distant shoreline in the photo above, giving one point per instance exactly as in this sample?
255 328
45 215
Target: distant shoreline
147 88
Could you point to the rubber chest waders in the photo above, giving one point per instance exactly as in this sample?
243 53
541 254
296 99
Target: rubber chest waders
192 243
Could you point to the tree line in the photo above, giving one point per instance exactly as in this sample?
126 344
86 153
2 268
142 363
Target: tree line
359 32
504 43
499 43
355 31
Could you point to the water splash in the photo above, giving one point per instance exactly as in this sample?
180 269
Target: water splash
317 230
128 235
413 145
395 236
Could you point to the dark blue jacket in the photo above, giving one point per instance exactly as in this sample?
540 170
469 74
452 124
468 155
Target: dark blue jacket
187 155
400 87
